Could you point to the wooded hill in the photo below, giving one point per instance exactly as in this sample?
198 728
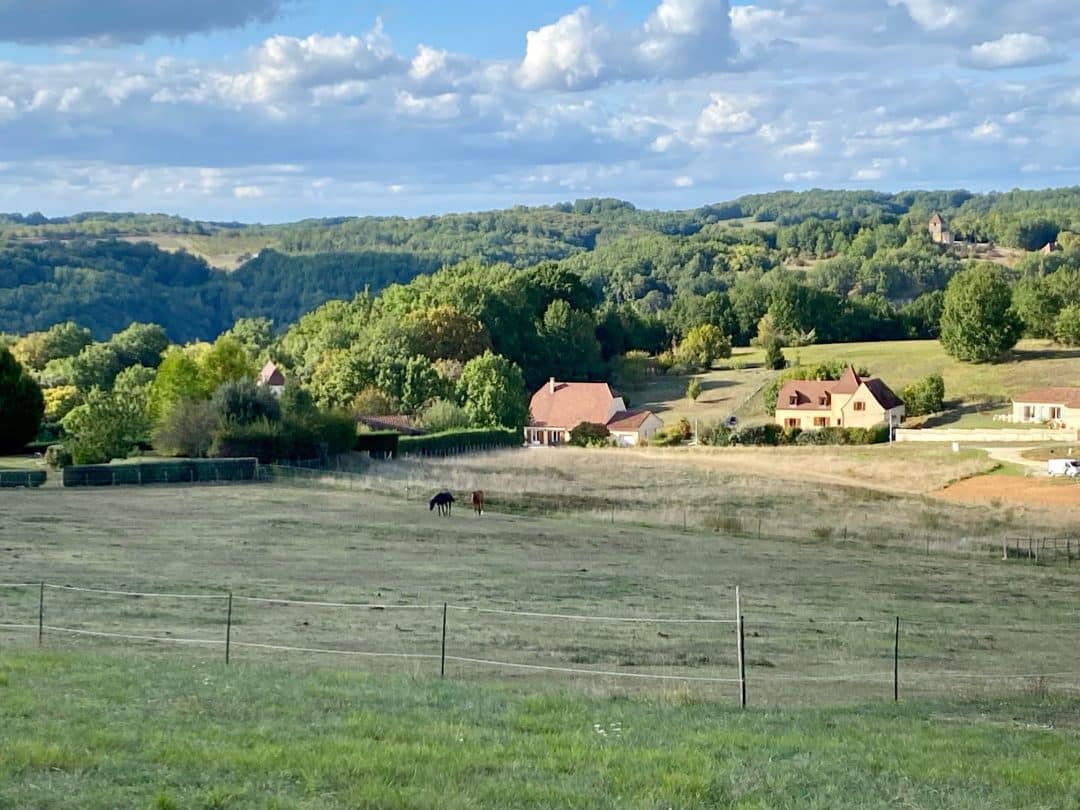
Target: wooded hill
861 262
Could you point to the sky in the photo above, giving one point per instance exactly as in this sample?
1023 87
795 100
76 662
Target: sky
276 110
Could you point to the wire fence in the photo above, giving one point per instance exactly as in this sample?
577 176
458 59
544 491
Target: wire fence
765 659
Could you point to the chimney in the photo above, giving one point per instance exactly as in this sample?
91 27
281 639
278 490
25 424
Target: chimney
551 384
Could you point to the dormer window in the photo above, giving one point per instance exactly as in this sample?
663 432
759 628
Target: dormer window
793 400
823 400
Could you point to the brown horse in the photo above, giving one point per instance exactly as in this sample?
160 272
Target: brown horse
478 502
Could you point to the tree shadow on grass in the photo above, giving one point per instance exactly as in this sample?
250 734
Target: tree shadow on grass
956 411
1063 353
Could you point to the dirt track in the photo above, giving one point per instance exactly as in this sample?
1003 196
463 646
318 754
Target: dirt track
1012 489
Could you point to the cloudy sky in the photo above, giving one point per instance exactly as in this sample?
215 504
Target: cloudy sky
274 110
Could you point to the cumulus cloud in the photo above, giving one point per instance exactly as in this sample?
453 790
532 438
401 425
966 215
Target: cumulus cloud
124 21
1012 50
680 38
726 115
931 15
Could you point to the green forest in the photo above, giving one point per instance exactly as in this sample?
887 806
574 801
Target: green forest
453 320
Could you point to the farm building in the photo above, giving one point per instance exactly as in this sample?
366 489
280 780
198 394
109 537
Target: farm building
1057 407
850 401
559 407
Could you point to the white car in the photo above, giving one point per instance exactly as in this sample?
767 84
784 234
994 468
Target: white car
1063 466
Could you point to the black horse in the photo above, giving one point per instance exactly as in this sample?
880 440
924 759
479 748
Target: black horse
443 500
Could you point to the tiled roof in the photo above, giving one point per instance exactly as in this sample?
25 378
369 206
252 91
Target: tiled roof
628 420
883 394
807 393
270 375
1069 397
570 404
848 383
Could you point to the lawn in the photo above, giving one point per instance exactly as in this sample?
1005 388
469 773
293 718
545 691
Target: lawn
729 388
93 731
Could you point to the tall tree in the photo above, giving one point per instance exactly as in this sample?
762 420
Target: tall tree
978 323
492 390
21 404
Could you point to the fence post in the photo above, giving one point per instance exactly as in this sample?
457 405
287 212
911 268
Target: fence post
896 664
442 652
41 615
741 642
228 630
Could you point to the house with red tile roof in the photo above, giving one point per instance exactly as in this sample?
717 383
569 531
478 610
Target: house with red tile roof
272 378
850 401
1052 406
559 407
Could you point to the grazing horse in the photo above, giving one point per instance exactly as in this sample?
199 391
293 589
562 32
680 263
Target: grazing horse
478 502
443 500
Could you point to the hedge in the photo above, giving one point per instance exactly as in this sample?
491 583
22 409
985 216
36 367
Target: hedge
772 434
452 442
379 443
173 471
22 478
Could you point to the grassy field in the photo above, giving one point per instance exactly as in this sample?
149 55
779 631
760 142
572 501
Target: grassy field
824 567
116 731
1032 364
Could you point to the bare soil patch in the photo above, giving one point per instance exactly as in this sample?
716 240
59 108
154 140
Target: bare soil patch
1026 491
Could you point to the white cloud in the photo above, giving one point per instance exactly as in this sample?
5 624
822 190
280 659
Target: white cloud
726 115
566 54
987 131
248 192
868 174
680 38
793 177
1012 50
811 146
931 15
683 181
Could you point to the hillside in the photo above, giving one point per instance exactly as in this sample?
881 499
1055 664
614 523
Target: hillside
859 247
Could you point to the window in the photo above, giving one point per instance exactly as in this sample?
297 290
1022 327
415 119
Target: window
823 400
791 423
1055 413
860 406
821 421
793 400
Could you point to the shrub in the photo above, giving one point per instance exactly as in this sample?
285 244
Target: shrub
57 456
22 404
186 429
590 434
925 396
774 355
243 401
260 439
458 441
444 415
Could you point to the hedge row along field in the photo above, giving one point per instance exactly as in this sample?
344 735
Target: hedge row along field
22 478
459 441
178 471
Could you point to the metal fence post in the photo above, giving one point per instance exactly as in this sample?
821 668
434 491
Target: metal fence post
442 652
741 647
896 663
41 615
228 630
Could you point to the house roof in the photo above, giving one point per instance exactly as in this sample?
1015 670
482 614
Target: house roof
628 420
808 395
270 375
1069 397
402 424
882 393
849 381
936 219
568 404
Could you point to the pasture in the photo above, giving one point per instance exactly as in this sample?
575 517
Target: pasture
570 541
730 387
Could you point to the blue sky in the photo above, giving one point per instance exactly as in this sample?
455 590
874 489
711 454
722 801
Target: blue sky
272 110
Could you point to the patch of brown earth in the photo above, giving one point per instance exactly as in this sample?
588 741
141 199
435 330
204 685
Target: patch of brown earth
1013 489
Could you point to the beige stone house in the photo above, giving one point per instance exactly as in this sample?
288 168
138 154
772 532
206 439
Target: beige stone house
939 231
848 402
559 407
1055 407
